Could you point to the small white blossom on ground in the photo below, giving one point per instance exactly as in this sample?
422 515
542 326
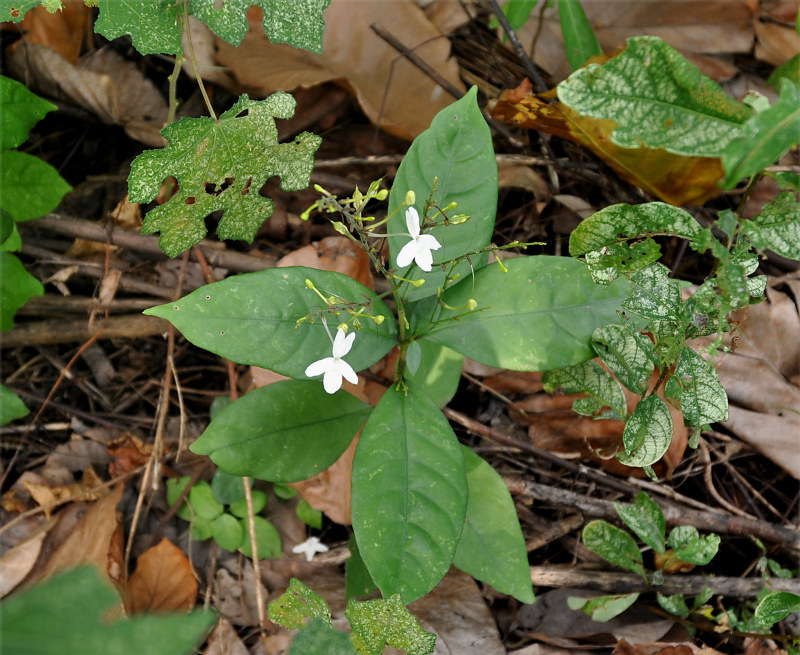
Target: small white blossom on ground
420 246
335 368
310 547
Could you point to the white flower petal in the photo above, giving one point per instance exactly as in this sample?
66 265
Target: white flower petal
333 378
412 222
429 241
342 343
407 254
424 258
348 372
319 367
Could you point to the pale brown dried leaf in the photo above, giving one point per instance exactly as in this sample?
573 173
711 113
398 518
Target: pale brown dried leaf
225 641
162 582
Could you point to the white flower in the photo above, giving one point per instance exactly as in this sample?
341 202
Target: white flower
420 246
310 547
335 368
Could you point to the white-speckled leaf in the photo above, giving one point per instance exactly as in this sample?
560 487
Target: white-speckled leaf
153 25
777 227
654 295
695 389
296 22
658 100
15 10
627 353
647 434
221 165
592 379
385 622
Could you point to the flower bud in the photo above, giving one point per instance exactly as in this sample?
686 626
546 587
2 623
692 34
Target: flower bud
379 319
472 304
383 194
411 197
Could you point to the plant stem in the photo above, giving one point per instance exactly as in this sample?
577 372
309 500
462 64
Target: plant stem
187 30
173 88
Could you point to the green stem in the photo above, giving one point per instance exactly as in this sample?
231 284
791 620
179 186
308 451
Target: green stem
188 32
173 88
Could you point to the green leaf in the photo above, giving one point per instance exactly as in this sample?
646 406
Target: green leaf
766 137
239 508
227 488
7 227
592 379
287 431
175 487
202 500
21 109
786 179
319 638
695 389
776 227
17 286
227 532
603 608
647 434
268 541
580 41
690 547
11 406
308 514
221 165
492 548
776 606
409 494
15 10
617 223
386 622
627 353
300 24
201 528
357 580
658 100
517 12
673 604
790 69
439 372
296 604
540 315
70 614
613 545
153 25
457 148
29 187
253 319
623 258
645 519
654 295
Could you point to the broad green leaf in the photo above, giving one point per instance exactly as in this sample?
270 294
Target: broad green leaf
17 286
308 514
620 222
690 547
221 165
284 432
319 638
268 541
580 41
538 316
357 580
790 69
695 389
592 379
603 608
776 606
7 227
645 519
11 406
766 137
201 528
239 507
296 22
386 622
492 548
658 100
776 227
627 353
29 187
613 545
439 372
647 434
409 494
71 614
624 258
153 25
517 12
456 149
673 604
175 487
227 532
227 488
202 500
654 295
787 180
15 10
253 319
296 604
21 110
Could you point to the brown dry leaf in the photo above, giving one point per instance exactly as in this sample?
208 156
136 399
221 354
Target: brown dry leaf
522 177
659 648
17 563
102 82
63 31
709 27
162 582
234 594
392 92
224 641
675 179
777 41
127 453
126 215
45 494
90 541
337 254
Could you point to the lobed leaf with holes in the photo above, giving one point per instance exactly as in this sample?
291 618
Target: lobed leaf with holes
221 165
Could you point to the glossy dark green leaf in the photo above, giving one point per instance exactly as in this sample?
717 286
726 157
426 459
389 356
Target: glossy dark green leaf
439 372
357 580
645 519
613 545
21 109
409 494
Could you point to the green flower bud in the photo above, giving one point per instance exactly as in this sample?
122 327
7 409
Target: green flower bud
472 304
411 198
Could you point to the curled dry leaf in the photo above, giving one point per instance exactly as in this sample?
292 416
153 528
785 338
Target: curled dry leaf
162 582
16 563
225 641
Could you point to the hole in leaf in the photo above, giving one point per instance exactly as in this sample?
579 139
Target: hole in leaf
14 12
243 113
213 190
219 4
247 184
190 200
